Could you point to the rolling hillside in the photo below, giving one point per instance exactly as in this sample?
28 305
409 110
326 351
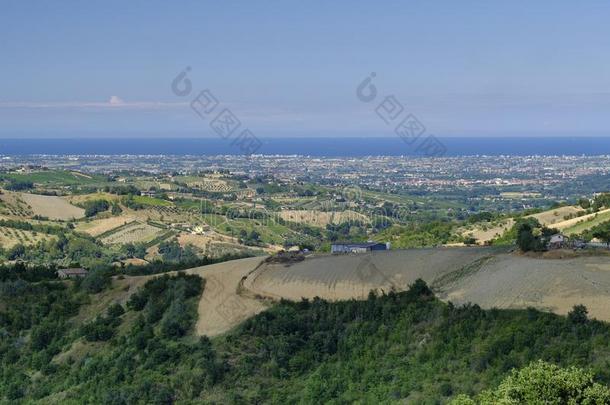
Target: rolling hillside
488 277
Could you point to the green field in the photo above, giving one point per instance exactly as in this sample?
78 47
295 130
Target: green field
270 232
56 178
584 226
155 202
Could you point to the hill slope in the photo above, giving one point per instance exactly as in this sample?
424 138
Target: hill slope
484 276
401 347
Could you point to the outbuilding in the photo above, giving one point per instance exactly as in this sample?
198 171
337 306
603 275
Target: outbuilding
72 273
350 247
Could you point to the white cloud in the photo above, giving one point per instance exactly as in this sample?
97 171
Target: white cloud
115 100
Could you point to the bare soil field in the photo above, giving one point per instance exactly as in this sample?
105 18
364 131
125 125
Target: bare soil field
52 207
238 289
512 281
353 276
221 306
483 276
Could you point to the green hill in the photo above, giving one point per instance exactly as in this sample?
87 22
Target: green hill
399 347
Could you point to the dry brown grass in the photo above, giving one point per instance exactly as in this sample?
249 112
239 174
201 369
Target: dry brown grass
484 233
564 224
10 237
556 216
81 198
52 207
99 226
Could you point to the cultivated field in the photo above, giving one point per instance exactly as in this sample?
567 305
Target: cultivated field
353 276
214 244
321 218
131 233
81 198
52 207
510 281
14 206
211 184
579 224
221 307
9 237
100 226
489 277
483 276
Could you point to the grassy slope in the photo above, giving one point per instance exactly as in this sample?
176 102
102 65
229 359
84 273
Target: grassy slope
585 226
155 202
55 178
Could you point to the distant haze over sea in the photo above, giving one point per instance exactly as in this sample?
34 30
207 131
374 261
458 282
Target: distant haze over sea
339 147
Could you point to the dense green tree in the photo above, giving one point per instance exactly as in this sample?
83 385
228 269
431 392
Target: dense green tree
543 383
602 232
92 207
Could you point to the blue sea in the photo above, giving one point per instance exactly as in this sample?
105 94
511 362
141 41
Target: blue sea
323 147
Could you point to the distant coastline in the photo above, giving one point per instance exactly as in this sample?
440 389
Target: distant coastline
329 147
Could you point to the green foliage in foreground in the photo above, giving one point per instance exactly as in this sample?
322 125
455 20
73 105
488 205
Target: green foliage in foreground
545 383
403 347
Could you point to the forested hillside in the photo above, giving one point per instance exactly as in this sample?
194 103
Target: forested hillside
396 347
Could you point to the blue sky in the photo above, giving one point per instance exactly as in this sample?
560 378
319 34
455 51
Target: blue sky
291 68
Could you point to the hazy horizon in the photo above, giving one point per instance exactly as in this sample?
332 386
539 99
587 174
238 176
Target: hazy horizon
289 69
